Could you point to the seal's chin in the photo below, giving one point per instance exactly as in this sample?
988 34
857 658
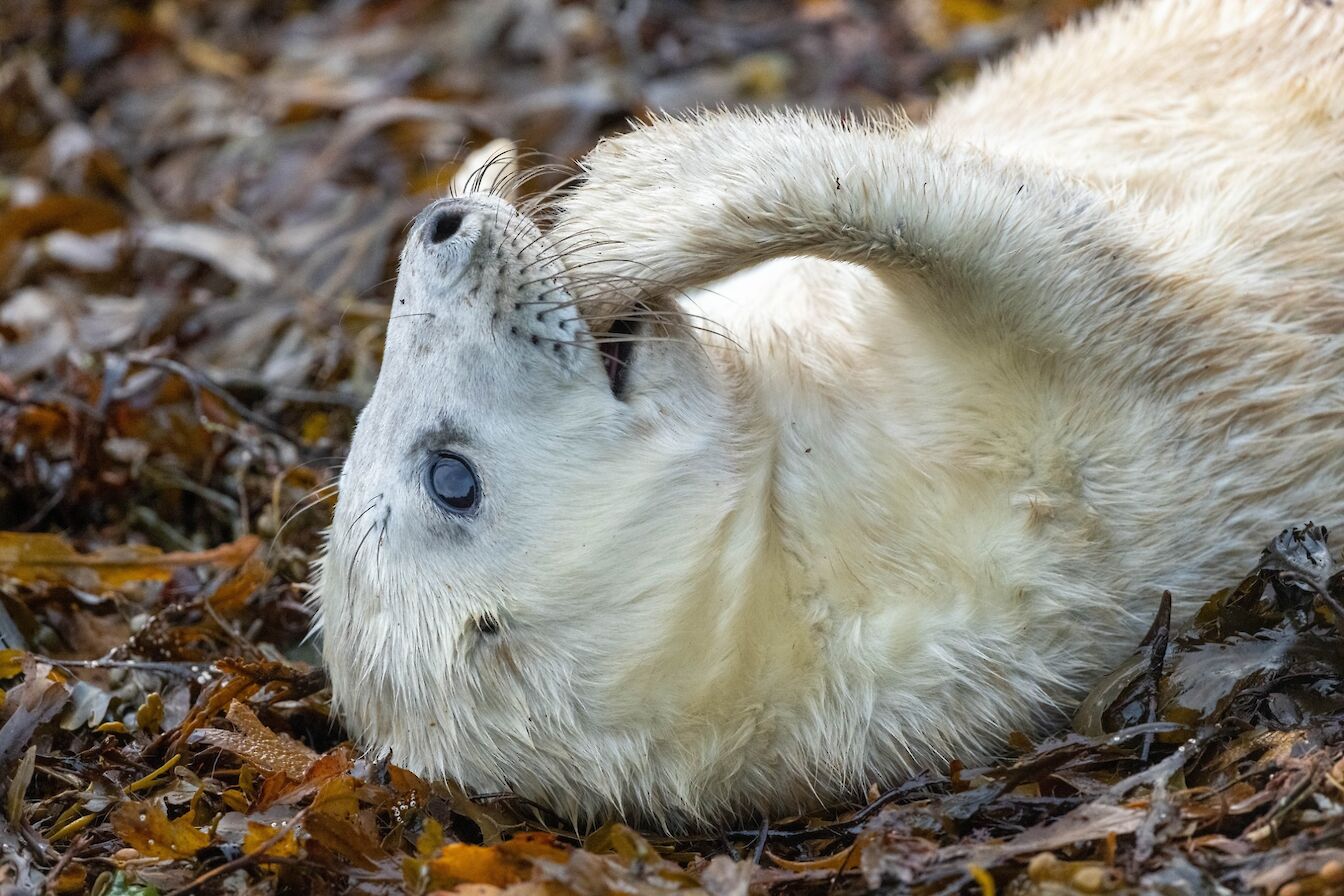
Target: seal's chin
618 350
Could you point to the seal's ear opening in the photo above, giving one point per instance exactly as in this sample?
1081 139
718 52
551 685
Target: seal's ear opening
618 327
617 347
642 340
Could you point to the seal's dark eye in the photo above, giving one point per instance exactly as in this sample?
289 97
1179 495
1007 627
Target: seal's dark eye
453 483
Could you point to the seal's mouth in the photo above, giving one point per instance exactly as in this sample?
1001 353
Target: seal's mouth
618 349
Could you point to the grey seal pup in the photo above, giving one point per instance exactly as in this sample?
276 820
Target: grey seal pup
973 394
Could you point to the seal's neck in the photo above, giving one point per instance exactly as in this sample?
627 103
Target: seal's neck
750 635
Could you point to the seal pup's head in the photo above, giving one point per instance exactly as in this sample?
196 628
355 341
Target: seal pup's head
534 501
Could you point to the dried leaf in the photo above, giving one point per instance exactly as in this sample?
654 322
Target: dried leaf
81 214
18 785
212 59
724 877
149 717
36 700
232 596
11 663
147 828
234 254
32 557
259 836
72 879
834 862
87 707
253 741
155 776
1093 821
509 863
338 822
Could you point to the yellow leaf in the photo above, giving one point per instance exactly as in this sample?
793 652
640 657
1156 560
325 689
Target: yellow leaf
11 663
314 427
431 838
839 861
335 820
72 879
42 556
235 799
983 878
212 59
253 741
623 841
73 827
146 828
258 835
972 12
149 718
153 777
232 596
498 866
457 863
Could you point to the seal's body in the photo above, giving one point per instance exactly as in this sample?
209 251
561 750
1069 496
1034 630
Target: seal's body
989 386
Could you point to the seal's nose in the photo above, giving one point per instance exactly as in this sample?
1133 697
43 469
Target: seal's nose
443 226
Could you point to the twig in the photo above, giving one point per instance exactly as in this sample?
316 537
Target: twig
244 860
1162 771
295 395
184 669
1159 635
760 841
844 866
198 381
49 885
47 507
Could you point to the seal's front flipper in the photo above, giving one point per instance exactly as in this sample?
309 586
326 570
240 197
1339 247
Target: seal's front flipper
979 247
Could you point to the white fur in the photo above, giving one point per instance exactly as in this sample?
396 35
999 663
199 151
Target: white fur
998 381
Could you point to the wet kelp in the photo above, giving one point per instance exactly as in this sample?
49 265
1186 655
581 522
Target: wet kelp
200 209
1213 759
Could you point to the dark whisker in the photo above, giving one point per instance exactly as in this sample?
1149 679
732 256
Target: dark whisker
553 254
585 345
563 246
504 181
350 573
382 537
540 236
521 178
538 205
473 183
570 270
372 504
607 339
672 319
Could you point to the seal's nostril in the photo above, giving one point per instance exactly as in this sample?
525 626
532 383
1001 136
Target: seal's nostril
444 226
